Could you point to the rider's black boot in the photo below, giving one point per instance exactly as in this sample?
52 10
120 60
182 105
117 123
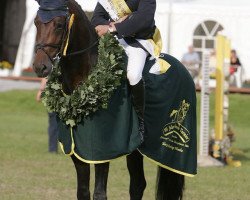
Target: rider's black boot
138 99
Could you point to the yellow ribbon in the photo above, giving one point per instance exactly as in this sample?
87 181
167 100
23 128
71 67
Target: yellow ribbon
71 21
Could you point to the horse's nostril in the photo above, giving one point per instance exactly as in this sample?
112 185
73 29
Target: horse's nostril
43 68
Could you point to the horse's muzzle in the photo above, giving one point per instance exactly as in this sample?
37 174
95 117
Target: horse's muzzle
42 70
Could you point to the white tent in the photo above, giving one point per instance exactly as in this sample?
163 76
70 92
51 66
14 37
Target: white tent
177 20
27 41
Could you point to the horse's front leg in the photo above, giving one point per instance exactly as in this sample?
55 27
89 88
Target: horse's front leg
83 177
101 178
137 178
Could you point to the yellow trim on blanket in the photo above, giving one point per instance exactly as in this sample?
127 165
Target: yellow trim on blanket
90 161
168 168
62 148
73 142
80 158
104 161
72 146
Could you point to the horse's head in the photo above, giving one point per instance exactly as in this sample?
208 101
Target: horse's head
51 27
63 29
49 42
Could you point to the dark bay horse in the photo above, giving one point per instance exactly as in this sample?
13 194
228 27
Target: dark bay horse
81 57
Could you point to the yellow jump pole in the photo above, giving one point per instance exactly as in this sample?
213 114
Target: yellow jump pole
223 49
219 90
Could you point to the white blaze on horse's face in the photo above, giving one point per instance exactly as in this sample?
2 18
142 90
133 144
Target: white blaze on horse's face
49 40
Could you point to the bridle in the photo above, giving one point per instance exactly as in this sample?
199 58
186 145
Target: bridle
60 45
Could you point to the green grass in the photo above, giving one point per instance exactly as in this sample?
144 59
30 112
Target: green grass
28 171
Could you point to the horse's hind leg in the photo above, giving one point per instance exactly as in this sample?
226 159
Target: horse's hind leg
83 177
169 185
101 178
137 178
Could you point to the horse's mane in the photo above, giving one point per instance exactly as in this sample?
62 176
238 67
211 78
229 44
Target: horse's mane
75 8
82 36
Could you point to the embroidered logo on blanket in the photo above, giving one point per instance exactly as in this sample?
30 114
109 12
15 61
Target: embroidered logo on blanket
175 135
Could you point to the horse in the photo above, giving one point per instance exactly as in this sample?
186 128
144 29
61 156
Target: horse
75 67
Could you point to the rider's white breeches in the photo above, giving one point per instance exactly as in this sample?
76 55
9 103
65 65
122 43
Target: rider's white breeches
136 61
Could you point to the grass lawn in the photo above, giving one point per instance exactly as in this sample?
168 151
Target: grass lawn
28 171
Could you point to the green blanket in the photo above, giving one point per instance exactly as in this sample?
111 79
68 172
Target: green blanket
107 134
170 119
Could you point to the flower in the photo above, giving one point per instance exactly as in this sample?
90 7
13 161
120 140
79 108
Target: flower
5 65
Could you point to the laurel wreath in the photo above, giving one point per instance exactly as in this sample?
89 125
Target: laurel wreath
94 93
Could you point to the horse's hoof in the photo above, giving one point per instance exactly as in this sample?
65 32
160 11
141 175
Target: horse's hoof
99 197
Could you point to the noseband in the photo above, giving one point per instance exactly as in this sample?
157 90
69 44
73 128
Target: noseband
60 47
55 46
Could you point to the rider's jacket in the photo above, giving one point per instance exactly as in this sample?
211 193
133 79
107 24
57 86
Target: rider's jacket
140 24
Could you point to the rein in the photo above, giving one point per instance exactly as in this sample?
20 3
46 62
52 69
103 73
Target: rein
83 50
60 46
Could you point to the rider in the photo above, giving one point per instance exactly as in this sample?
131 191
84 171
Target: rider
137 22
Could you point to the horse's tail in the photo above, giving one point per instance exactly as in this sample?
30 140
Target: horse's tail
169 185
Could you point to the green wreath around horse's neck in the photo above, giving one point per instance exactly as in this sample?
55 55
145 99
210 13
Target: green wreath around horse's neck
94 93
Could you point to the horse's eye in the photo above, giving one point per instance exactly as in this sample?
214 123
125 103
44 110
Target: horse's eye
59 26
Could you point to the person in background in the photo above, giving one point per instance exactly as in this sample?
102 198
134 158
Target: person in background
52 123
234 62
191 60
